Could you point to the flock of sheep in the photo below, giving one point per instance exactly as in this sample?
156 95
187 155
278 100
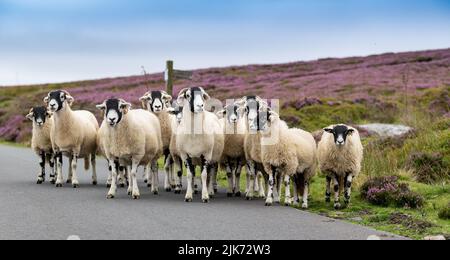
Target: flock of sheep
247 133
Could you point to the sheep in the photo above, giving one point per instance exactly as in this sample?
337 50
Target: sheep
41 141
156 102
74 134
340 155
288 153
101 144
133 137
233 157
250 106
199 136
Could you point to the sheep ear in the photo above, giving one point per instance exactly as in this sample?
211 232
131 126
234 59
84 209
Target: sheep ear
328 130
221 113
350 131
101 106
30 115
125 107
205 95
46 99
144 100
273 115
171 111
241 102
182 96
69 98
166 97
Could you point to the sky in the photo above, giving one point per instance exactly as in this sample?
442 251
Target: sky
49 41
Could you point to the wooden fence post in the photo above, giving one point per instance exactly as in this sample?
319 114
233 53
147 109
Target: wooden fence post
169 77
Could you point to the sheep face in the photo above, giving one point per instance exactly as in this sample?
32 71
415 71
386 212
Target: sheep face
340 133
232 113
39 115
257 113
156 101
177 112
56 100
195 98
114 110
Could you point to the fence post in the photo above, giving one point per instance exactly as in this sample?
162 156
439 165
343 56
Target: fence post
169 79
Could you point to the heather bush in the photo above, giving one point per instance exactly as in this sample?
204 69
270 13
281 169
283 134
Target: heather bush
386 191
428 168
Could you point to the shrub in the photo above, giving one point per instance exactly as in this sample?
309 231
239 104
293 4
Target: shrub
386 191
445 213
427 168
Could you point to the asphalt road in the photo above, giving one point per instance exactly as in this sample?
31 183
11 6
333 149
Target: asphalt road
31 211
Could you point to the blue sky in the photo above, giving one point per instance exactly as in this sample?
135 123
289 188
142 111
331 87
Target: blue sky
65 40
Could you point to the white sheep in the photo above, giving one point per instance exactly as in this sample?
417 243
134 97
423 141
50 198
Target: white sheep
41 141
340 155
199 136
288 153
74 134
156 102
134 139
250 106
233 157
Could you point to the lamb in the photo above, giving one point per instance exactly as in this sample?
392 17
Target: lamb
340 157
133 138
199 136
288 153
73 134
156 102
41 141
233 157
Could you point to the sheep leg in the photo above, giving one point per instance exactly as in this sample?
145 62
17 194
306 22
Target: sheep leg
167 186
296 198
206 170
109 180
69 177
305 195
122 180
230 178
337 204
262 189
172 179
179 176
190 170
59 164
251 175
214 169
135 191
272 174
279 182
287 184
328 190
155 177
130 183
237 181
51 162
94 169
348 188
112 190
41 176
75 182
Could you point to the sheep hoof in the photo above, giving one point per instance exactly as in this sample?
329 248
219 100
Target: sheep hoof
196 192
268 204
39 182
52 182
145 181
238 194
174 187
178 192
129 193
168 189
94 183
110 196
248 198
327 200
155 193
136 197
69 181
337 206
76 186
205 201
229 195
188 200
59 185
122 185
305 206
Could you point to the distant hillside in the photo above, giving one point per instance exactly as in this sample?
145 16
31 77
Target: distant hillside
341 79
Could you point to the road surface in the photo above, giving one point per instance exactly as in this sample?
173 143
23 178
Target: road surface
31 211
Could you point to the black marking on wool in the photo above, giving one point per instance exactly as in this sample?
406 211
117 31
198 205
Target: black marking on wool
194 91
